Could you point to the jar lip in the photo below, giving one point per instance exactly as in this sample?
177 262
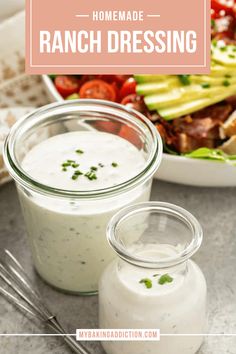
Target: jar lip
162 208
20 176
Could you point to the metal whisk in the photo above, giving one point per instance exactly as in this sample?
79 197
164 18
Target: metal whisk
29 300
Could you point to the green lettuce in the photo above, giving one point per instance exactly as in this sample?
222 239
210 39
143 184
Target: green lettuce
212 154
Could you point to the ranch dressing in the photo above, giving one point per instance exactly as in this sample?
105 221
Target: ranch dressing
67 237
172 300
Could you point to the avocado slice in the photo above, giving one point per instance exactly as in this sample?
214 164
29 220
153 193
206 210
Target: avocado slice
181 109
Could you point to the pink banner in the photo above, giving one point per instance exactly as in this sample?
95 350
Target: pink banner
126 37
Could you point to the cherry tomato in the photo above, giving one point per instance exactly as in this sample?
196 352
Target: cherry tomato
128 87
120 79
131 135
66 85
108 127
98 89
136 102
226 6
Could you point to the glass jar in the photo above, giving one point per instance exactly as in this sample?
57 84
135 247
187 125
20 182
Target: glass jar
153 283
66 228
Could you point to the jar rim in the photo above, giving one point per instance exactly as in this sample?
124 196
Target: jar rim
162 208
21 177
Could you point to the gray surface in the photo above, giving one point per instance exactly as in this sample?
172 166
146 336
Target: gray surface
215 209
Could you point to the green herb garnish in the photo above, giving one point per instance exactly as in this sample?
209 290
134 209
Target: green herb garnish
93 168
75 165
78 173
165 278
71 161
206 85
66 164
232 56
114 164
64 169
184 79
79 151
214 42
147 282
226 83
213 23
228 76
100 165
91 175
74 177
156 275
223 49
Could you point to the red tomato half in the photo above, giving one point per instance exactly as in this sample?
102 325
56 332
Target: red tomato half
135 102
223 5
66 85
128 87
98 89
131 135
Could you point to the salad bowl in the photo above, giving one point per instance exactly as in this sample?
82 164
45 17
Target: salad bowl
180 169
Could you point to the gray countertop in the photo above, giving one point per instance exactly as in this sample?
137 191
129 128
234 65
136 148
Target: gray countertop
215 209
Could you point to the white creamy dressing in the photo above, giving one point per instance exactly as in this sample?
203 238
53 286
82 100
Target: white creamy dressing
44 161
68 235
131 275
174 307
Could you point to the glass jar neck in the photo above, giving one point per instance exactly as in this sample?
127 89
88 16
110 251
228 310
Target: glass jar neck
155 235
76 115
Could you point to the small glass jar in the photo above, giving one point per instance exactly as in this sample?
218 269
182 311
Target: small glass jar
67 228
153 283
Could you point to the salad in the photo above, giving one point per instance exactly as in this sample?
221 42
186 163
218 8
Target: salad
195 114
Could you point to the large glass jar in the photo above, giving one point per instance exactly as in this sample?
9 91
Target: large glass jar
153 283
66 228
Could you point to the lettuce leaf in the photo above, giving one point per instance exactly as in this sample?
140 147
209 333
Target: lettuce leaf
212 154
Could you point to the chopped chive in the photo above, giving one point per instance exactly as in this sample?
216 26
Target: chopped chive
74 177
226 83
156 275
223 49
91 175
70 161
100 165
94 168
228 76
234 49
232 56
79 151
78 173
214 43
114 164
75 165
66 164
184 79
213 22
64 169
147 282
165 278
205 85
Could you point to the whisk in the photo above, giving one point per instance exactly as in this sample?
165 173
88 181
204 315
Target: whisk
26 298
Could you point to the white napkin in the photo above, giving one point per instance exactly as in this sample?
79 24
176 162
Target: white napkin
19 93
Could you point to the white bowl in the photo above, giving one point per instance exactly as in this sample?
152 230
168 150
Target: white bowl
178 169
52 92
196 172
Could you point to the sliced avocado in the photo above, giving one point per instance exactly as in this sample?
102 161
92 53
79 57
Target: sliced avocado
181 109
226 57
151 78
155 88
182 95
160 86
